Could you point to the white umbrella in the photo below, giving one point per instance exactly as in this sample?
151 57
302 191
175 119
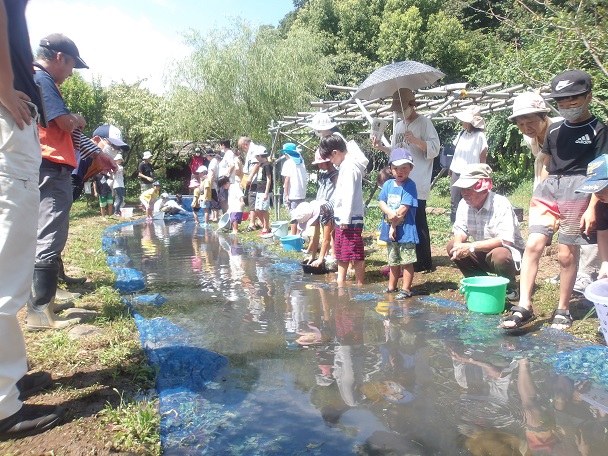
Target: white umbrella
386 80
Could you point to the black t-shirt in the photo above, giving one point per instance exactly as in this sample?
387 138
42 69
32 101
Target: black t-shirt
601 216
103 187
573 145
21 53
265 174
147 170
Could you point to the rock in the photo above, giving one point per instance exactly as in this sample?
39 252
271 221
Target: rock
83 314
80 331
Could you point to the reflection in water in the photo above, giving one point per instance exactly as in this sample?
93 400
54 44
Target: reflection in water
314 368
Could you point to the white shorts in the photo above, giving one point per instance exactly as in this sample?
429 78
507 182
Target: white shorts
260 203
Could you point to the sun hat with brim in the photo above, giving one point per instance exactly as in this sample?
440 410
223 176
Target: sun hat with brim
118 157
306 214
147 154
318 159
528 103
401 156
472 174
471 115
402 98
570 83
292 150
322 122
597 176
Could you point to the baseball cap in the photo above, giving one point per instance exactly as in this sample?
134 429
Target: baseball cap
472 174
570 83
118 157
156 184
401 156
112 134
209 151
201 169
165 195
60 43
318 159
528 103
306 214
147 154
597 176
260 150
402 98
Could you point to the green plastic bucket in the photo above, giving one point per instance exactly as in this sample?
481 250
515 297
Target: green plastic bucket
485 294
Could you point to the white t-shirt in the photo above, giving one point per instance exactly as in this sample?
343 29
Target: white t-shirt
297 179
119 177
214 166
226 163
250 158
422 127
469 146
234 198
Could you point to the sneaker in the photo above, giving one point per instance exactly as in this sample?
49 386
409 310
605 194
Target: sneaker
580 285
403 294
30 384
512 295
30 420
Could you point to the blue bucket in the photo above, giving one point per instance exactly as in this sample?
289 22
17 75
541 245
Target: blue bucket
292 242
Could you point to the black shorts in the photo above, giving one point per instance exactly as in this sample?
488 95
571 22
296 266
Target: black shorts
251 192
215 202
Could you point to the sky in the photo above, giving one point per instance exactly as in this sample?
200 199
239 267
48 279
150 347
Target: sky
127 40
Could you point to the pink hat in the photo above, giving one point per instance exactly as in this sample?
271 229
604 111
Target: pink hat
318 159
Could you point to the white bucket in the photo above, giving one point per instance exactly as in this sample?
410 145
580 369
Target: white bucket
126 212
597 293
279 229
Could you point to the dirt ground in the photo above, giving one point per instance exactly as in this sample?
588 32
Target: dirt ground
85 390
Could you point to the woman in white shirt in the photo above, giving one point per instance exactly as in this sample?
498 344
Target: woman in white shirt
471 147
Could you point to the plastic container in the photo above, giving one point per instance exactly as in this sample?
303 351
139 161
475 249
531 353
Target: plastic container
292 242
279 229
309 269
224 221
126 212
597 293
485 294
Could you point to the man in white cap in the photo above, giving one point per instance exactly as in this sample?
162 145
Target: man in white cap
417 134
487 238
145 172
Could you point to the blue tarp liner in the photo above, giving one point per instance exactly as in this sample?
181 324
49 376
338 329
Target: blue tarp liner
118 261
585 363
129 280
109 244
155 299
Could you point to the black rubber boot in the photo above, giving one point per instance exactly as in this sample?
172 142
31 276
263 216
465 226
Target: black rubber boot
40 314
67 279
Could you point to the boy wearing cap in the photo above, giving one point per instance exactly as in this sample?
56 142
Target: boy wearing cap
487 238
145 172
417 134
263 179
398 201
570 146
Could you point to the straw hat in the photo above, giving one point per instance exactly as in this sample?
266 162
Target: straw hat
472 115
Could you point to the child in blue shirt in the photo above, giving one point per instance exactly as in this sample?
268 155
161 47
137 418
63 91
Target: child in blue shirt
399 200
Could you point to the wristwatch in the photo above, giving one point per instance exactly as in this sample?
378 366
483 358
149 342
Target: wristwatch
472 249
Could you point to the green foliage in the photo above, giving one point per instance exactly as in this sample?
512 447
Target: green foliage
442 187
86 99
400 33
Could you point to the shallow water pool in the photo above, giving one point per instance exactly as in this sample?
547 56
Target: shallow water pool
254 357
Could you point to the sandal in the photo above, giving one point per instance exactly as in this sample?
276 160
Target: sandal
520 316
561 319
249 229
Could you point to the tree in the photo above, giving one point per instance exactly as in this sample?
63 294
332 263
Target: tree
85 98
239 79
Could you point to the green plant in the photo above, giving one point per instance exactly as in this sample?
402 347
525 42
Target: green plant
135 424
